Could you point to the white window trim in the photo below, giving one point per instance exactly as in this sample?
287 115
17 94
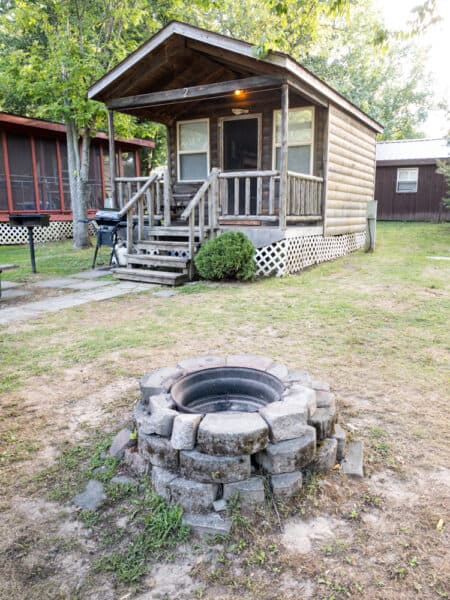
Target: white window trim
416 169
275 145
181 152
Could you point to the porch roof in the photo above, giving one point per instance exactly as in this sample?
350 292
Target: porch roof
181 56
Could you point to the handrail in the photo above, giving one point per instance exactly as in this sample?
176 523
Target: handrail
132 201
199 194
304 176
243 174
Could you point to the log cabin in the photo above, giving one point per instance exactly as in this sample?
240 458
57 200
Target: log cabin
259 145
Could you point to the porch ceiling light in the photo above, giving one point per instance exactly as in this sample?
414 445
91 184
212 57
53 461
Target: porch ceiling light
238 92
239 111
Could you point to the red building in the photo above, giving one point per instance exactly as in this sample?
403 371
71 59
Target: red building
34 174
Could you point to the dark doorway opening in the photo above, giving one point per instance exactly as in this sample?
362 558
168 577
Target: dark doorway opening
240 153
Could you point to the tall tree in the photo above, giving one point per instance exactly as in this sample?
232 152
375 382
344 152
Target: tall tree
51 51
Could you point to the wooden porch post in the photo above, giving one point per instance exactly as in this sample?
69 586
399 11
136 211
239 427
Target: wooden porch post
112 157
284 154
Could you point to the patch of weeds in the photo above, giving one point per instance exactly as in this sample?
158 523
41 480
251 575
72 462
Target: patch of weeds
399 572
238 520
160 529
14 449
89 518
119 491
372 501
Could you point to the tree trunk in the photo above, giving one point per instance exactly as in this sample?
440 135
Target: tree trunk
78 178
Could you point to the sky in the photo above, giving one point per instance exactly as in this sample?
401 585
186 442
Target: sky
437 38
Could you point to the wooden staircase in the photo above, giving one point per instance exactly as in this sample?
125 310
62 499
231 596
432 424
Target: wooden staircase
161 259
163 254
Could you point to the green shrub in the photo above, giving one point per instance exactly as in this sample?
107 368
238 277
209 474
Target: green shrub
228 256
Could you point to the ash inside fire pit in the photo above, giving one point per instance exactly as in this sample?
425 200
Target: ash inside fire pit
237 389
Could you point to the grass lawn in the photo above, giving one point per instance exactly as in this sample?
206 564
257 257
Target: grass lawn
375 326
53 259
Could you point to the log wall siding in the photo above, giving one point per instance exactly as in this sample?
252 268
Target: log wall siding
350 173
424 205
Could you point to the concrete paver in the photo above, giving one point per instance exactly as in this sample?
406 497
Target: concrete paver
92 274
9 294
8 285
88 284
62 282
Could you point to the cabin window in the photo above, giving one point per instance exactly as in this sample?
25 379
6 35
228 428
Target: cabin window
300 139
21 172
128 164
3 192
47 173
193 150
407 181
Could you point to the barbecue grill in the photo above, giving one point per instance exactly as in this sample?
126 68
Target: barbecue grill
108 222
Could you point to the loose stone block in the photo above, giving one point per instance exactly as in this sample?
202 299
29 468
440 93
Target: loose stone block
250 491
214 469
158 381
251 361
201 362
160 401
286 485
232 433
136 462
158 451
193 496
160 480
93 496
297 376
209 524
325 456
184 432
323 420
279 370
352 465
220 505
304 396
290 455
325 400
286 420
339 435
120 442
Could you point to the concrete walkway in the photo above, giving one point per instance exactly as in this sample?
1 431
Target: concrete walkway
88 286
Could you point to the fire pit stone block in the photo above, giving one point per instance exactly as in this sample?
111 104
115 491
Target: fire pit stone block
198 363
325 400
290 455
297 376
326 456
158 451
161 479
340 435
286 420
160 401
323 420
278 370
214 469
302 395
232 433
184 431
193 496
250 491
158 381
209 524
286 485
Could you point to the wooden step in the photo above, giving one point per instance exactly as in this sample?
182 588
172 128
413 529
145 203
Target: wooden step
164 246
157 260
150 276
173 231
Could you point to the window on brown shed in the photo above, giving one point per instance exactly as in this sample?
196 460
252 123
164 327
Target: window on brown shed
21 172
47 173
3 192
407 180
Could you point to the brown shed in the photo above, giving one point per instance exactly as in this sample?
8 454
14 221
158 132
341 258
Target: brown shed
257 145
407 185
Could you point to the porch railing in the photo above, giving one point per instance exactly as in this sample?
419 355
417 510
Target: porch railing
206 197
247 194
304 197
145 198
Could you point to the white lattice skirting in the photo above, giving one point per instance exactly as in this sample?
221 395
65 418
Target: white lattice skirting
57 230
294 254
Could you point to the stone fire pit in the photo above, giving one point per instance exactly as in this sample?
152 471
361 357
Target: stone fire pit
214 427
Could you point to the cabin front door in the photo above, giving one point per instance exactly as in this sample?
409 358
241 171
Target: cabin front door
241 152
